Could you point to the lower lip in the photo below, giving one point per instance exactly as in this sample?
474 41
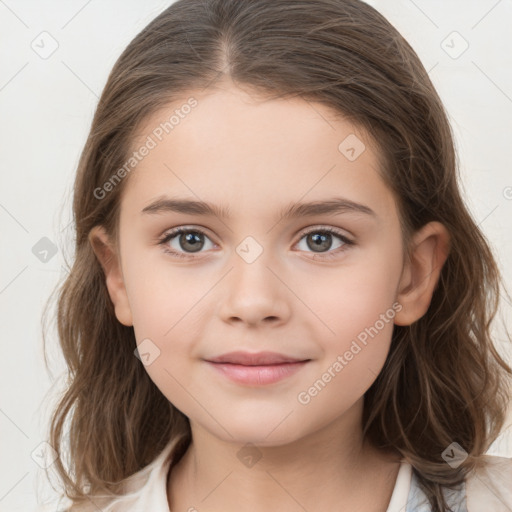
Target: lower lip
257 375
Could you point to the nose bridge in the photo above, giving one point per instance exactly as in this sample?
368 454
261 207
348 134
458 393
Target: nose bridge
254 293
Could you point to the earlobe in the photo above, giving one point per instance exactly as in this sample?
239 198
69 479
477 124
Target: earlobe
114 280
431 246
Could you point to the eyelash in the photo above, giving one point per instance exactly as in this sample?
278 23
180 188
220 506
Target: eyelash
327 255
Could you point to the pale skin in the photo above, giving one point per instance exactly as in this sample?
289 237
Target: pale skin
256 157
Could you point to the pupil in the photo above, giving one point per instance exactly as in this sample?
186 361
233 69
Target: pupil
194 240
318 240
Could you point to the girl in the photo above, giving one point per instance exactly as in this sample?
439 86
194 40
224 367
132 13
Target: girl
279 300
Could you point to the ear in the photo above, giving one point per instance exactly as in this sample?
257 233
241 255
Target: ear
431 246
111 264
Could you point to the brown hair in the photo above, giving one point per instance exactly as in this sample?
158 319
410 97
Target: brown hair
343 54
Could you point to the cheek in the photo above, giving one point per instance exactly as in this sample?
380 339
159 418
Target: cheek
358 298
167 307
162 299
361 317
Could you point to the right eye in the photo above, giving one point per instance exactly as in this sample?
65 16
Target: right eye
186 238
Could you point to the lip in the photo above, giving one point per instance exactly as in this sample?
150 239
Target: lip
256 369
254 358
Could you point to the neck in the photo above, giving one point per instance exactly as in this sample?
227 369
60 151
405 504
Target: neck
314 472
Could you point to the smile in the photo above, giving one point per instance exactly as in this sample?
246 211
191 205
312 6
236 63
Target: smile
257 375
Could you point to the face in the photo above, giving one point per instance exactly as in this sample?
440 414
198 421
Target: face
318 285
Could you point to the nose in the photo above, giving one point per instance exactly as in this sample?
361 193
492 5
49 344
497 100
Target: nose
255 293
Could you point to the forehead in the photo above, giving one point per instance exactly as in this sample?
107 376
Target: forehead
240 149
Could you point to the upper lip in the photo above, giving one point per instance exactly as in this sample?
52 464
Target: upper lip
254 359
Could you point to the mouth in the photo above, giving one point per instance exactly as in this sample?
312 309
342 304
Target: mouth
259 369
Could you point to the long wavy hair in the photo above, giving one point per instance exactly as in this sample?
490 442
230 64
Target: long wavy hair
443 380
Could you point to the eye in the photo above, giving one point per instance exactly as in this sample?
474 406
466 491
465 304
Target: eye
188 241
186 238
321 238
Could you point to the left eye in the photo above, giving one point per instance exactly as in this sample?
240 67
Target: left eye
322 239
192 241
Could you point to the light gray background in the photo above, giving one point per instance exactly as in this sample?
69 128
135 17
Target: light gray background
47 104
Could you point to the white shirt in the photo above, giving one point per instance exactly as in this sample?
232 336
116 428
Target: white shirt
488 489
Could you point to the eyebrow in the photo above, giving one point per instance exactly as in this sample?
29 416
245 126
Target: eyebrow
333 206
